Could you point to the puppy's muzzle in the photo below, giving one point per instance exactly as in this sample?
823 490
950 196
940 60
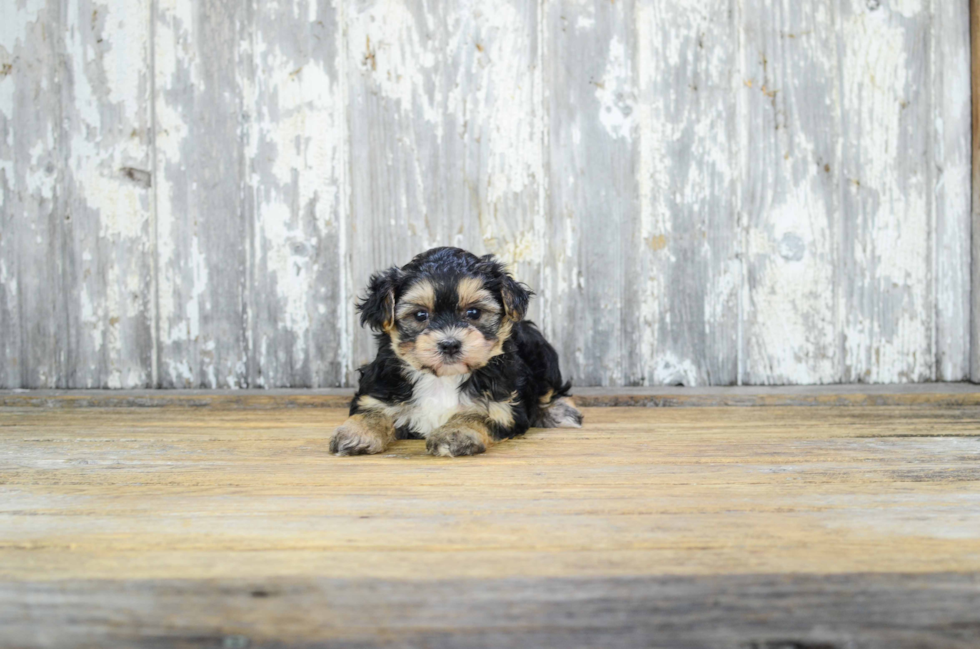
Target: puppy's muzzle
449 347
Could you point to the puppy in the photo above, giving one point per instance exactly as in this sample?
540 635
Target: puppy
457 364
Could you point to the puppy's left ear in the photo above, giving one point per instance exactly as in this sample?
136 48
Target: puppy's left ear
515 295
377 307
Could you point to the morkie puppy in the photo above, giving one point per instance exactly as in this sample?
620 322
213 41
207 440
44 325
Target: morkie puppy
457 364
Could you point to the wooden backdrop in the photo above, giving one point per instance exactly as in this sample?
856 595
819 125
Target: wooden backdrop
702 192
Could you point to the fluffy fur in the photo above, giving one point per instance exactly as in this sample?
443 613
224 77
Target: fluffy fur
457 363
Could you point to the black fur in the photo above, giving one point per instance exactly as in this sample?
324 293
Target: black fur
527 366
378 305
515 296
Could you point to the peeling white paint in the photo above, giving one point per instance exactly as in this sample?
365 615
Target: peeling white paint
16 20
793 335
671 370
615 92
907 8
477 136
893 343
39 181
397 58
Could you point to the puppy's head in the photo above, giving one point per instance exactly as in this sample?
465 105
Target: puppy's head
447 311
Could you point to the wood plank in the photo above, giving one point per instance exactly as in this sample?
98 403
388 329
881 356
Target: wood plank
950 72
925 394
106 115
687 274
718 527
936 394
34 237
790 193
223 399
887 296
588 52
444 136
297 153
202 228
166 493
975 150
891 611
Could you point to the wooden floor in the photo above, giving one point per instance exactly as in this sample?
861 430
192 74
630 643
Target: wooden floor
749 528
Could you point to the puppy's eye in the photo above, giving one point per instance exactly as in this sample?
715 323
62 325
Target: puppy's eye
421 316
472 314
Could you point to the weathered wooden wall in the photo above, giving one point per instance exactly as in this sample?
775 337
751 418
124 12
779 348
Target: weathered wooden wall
701 191
975 331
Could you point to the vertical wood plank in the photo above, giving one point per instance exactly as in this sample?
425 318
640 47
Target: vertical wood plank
975 207
444 135
689 274
298 170
950 72
202 224
790 191
33 312
592 188
106 118
887 298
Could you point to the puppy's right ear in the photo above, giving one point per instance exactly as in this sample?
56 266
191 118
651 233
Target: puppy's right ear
377 307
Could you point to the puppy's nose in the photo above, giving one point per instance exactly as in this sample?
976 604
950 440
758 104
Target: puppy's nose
450 347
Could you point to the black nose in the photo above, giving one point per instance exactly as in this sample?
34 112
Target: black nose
450 347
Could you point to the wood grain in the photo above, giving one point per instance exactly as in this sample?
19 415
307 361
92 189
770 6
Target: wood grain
200 70
714 526
790 194
887 286
951 155
764 192
975 150
874 611
106 121
298 168
590 286
33 236
687 277
444 136
932 394
144 493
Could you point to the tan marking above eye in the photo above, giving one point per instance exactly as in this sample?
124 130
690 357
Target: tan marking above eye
421 295
471 294
488 305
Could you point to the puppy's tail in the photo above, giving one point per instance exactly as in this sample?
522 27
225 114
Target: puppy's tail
558 410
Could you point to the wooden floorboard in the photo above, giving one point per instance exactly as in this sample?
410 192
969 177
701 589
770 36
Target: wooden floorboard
906 394
886 611
768 528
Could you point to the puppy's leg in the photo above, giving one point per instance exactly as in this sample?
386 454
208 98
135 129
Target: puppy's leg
363 434
462 435
560 413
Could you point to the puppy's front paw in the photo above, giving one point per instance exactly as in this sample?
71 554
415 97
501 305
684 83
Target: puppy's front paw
454 440
359 436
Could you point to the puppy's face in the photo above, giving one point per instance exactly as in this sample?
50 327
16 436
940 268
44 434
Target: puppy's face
448 312
448 327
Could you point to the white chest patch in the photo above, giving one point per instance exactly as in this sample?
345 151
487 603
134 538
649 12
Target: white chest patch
435 399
